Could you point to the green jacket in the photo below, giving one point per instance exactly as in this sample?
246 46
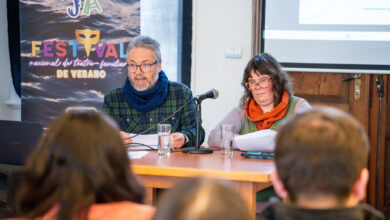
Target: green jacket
133 121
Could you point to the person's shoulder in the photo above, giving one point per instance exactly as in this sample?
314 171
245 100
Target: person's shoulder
269 212
114 93
296 98
370 213
178 86
179 90
239 107
301 105
299 99
121 210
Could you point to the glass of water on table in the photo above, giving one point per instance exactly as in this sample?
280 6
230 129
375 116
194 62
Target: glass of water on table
164 138
227 139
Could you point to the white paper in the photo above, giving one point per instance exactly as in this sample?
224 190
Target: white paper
263 140
136 154
147 139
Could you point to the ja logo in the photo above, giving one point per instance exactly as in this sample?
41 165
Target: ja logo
88 6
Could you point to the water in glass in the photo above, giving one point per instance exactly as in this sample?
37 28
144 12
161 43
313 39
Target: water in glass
227 139
163 144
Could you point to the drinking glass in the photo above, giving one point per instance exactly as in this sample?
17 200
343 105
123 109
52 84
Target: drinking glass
227 139
164 138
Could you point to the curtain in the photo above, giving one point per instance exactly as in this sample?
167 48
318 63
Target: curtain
14 42
256 26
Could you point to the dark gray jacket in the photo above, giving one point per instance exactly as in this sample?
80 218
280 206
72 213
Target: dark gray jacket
280 211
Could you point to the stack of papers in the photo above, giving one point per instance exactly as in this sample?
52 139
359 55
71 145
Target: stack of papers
138 151
147 139
263 140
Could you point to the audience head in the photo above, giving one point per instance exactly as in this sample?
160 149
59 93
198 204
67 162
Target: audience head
321 155
81 160
201 199
264 65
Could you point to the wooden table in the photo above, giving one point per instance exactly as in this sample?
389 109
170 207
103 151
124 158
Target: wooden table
247 175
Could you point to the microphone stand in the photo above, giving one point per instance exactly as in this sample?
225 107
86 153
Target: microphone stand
197 149
379 85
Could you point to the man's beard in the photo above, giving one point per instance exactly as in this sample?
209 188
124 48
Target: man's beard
148 86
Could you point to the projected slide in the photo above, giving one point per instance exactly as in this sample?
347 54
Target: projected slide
331 35
344 12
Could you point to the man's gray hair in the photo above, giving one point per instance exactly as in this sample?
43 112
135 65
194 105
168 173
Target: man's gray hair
145 42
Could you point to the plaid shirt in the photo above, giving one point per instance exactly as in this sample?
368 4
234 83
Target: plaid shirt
133 121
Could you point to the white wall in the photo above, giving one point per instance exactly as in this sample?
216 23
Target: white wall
218 24
6 86
160 20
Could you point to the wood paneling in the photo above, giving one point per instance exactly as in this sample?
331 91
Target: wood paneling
331 90
386 153
376 117
322 89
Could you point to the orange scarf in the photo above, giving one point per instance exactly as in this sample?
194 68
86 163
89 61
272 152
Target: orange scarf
265 120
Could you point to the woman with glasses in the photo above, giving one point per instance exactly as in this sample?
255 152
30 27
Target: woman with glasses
267 101
80 170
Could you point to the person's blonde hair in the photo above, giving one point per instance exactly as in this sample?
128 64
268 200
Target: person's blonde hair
202 199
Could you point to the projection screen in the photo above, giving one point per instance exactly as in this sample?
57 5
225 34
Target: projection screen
332 35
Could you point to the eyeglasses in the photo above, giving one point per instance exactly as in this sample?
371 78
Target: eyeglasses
145 67
262 83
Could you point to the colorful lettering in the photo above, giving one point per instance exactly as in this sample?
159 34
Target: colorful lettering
74 44
111 51
61 50
47 48
62 74
75 11
90 5
35 47
100 51
122 53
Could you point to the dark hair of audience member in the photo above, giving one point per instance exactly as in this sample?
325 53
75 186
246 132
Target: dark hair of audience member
321 152
81 160
201 199
266 64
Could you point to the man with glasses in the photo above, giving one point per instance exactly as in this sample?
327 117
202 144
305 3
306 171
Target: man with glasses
147 97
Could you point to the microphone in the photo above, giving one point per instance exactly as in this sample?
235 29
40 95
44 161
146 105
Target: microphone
163 120
213 93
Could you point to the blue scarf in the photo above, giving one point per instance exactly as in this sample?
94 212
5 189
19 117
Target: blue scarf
145 101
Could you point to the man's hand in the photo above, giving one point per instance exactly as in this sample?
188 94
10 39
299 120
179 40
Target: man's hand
177 140
125 137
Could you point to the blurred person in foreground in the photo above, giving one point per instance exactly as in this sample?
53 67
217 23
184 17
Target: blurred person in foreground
321 158
201 199
80 170
147 97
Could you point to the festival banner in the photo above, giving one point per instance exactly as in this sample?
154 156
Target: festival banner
73 52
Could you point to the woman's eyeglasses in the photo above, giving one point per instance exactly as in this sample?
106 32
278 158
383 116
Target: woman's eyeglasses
262 83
